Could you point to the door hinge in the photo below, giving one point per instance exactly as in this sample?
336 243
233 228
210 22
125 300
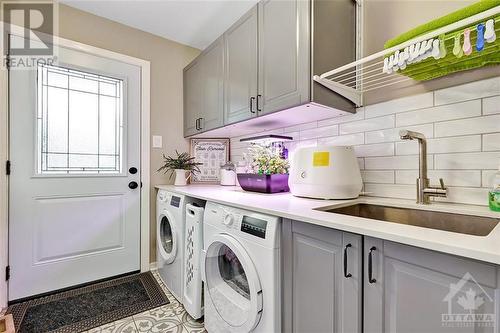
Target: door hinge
7 167
7 273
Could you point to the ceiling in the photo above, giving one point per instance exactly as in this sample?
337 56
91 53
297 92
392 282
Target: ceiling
195 23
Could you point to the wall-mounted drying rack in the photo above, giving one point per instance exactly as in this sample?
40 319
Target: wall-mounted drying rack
366 74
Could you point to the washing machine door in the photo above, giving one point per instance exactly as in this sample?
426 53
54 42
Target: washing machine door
233 285
167 237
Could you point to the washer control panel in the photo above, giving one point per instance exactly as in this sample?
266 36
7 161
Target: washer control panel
175 201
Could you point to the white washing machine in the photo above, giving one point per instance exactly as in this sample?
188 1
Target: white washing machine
170 233
241 270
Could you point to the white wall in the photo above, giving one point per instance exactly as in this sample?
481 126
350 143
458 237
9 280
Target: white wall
462 124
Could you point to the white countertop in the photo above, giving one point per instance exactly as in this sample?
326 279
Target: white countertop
485 248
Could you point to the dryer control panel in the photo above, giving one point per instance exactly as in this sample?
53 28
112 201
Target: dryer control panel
260 228
254 226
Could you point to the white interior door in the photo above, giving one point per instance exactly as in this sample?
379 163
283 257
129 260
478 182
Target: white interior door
74 141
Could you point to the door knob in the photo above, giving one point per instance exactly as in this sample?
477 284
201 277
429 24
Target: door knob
133 185
133 170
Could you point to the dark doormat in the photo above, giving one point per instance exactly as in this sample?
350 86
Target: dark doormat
83 308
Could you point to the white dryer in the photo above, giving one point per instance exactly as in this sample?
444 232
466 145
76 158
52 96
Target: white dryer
241 270
170 233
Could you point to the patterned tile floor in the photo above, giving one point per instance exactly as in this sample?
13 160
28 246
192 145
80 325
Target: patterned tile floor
170 318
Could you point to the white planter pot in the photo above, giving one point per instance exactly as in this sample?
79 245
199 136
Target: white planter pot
180 177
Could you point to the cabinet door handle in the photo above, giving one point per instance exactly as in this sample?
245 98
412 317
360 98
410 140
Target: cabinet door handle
346 274
252 100
370 265
201 125
197 124
259 97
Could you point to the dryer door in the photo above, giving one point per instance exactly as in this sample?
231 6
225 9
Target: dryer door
167 237
233 285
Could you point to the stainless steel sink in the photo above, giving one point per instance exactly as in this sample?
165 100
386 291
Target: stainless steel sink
463 224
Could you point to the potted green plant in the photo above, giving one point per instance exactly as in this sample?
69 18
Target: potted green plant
268 171
179 165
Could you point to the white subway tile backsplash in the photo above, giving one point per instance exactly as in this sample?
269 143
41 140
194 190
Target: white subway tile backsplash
491 105
466 195
440 113
399 105
301 127
238 152
460 144
392 135
367 125
465 178
478 125
391 191
343 140
378 176
359 115
465 92
487 178
462 161
378 149
461 124
319 132
491 142
407 162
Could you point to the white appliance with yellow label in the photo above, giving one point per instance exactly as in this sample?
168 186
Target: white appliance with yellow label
325 172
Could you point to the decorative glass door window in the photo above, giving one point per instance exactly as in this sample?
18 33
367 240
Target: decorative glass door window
79 122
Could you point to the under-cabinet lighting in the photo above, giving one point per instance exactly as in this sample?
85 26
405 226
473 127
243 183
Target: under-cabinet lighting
267 139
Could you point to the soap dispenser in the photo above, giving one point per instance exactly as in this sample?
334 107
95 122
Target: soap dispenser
494 195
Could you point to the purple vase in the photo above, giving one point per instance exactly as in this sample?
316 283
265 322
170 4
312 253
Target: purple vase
264 183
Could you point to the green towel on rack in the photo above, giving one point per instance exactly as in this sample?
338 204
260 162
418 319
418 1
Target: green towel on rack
432 68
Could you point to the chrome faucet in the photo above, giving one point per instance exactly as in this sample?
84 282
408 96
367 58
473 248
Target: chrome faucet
424 190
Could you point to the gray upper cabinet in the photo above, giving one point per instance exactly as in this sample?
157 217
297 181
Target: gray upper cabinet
193 104
284 72
240 74
213 84
265 63
204 90
409 289
321 279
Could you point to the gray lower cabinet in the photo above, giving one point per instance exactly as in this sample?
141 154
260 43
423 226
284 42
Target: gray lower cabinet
240 74
284 47
409 289
321 279
204 90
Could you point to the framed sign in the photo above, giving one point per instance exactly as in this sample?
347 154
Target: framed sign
212 153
